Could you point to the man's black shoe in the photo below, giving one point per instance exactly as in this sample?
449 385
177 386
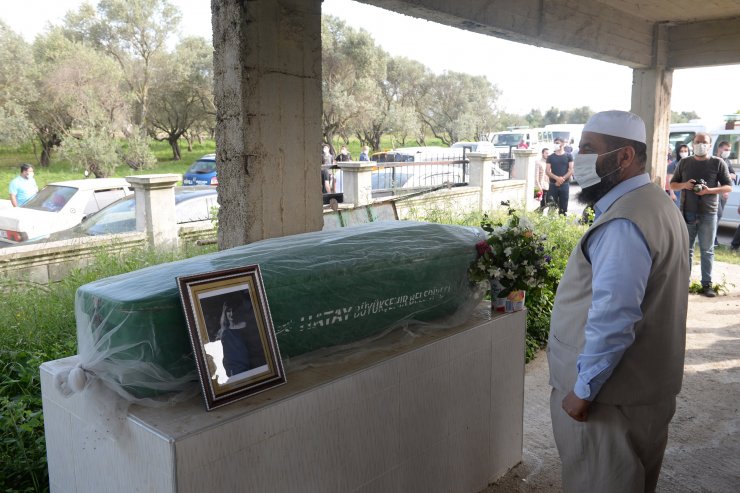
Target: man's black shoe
709 292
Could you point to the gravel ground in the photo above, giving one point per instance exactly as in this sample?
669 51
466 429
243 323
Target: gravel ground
703 452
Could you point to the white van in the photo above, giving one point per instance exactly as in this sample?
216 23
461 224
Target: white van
730 217
569 132
683 133
535 138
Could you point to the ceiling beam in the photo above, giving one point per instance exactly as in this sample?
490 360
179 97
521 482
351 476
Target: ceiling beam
701 44
591 29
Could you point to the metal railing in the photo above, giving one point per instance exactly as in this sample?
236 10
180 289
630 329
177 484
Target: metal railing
400 178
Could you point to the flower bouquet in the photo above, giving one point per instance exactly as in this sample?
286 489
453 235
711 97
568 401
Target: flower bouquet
513 258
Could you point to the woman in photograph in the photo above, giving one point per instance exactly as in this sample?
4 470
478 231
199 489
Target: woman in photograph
234 342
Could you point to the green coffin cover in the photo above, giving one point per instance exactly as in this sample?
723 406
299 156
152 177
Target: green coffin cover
324 288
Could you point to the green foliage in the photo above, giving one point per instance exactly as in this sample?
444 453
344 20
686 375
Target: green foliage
136 152
722 288
562 234
37 324
95 152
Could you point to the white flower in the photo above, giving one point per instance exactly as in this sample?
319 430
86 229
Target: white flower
507 251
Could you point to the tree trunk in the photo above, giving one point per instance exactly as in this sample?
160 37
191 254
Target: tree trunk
189 140
175 145
47 146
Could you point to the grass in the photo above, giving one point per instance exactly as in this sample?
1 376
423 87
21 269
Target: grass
62 170
37 324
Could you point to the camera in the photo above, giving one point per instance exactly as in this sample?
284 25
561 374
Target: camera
699 185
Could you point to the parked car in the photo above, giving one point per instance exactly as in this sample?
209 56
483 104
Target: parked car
192 204
201 172
59 206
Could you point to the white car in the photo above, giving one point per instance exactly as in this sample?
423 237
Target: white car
59 206
730 216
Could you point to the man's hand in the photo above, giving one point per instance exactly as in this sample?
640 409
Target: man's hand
576 407
559 181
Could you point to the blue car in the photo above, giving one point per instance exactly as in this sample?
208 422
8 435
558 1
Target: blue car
202 172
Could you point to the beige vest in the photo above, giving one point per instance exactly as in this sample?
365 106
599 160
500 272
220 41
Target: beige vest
652 367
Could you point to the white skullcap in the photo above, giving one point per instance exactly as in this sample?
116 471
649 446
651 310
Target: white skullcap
618 124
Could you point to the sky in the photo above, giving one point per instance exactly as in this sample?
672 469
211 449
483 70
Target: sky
528 77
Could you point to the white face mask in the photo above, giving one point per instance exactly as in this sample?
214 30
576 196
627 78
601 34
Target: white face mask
30 174
683 154
584 168
725 154
701 149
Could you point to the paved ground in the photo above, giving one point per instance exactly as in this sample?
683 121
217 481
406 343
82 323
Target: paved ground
703 453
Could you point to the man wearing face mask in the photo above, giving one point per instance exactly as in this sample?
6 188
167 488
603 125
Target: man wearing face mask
615 353
701 178
723 150
23 186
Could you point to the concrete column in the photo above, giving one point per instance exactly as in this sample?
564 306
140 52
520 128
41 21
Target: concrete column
479 169
357 182
155 207
267 92
651 99
525 169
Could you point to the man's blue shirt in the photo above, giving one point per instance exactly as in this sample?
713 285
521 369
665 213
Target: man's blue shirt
23 189
621 262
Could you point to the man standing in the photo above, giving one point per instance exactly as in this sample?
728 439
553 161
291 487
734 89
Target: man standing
615 352
723 151
559 170
701 178
23 186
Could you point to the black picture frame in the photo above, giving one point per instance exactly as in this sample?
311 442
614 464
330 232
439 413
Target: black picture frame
232 334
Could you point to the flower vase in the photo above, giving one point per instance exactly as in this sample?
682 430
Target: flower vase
498 304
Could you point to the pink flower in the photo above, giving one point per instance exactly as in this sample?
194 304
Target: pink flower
483 247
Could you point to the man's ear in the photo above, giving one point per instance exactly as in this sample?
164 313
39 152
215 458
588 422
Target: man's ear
627 156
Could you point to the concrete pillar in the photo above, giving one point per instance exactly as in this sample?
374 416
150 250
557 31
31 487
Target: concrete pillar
155 207
479 169
651 99
524 169
357 182
267 92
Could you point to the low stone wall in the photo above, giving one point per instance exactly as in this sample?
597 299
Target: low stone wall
48 262
460 200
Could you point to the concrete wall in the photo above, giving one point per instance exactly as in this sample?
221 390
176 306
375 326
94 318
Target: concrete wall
441 412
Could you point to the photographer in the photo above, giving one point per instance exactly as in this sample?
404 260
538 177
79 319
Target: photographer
702 177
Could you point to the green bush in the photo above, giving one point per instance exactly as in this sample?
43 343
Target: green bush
562 235
37 324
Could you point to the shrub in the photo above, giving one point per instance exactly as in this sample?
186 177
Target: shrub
37 324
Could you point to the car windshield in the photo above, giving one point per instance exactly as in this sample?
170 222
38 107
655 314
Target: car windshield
51 198
562 135
119 217
507 139
203 167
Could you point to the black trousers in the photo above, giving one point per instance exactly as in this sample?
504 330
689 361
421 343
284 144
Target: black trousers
559 195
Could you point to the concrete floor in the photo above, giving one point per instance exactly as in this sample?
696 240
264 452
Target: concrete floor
703 452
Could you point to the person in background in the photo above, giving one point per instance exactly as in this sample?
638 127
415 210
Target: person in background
364 155
701 178
559 170
326 157
723 151
682 151
23 186
522 145
618 325
343 155
541 180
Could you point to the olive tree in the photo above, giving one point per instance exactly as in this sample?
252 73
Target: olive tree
181 87
16 87
134 33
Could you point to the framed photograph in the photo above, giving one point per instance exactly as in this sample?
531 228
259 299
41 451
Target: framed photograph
231 330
